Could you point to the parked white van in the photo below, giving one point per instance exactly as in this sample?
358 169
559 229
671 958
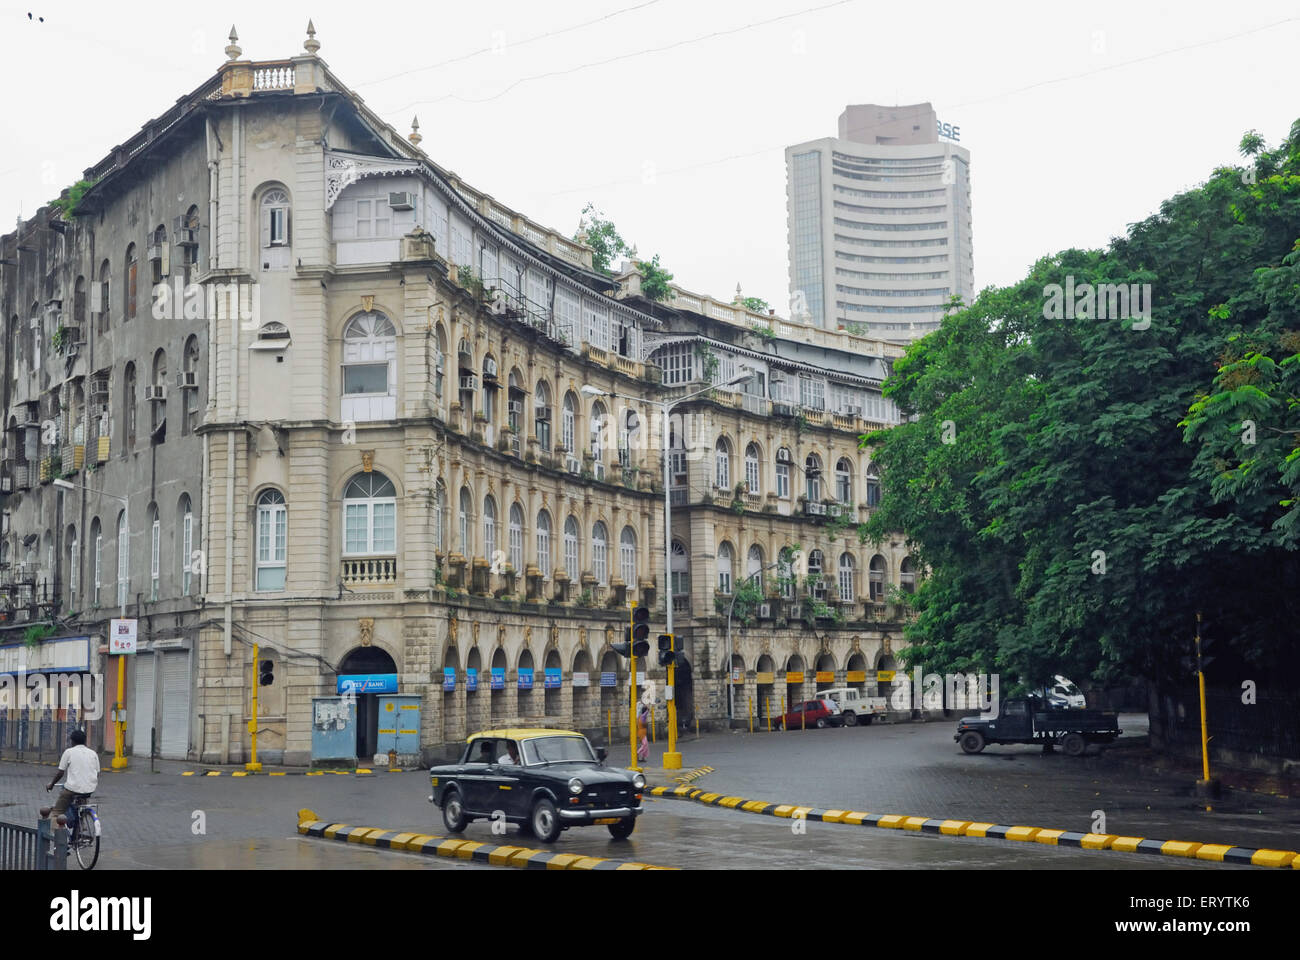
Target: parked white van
856 707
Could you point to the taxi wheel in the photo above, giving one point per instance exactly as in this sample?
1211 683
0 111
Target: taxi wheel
453 812
545 821
623 829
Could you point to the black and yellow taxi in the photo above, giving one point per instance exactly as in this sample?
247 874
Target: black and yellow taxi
544 780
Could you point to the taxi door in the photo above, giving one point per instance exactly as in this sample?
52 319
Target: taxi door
503 784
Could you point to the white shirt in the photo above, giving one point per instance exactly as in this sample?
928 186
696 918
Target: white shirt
82 765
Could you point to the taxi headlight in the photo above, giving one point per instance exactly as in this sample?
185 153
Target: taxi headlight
575 786
638 781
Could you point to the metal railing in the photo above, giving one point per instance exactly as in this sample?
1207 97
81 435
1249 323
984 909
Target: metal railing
33 848
41 735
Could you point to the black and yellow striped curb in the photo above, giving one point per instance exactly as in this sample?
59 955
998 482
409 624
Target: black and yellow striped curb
358 772
1213 852
309 824
693 775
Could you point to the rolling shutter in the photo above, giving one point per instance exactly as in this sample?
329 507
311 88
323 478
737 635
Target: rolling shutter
142 715
175 737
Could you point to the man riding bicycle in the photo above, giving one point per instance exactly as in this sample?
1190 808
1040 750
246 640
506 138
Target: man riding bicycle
81 765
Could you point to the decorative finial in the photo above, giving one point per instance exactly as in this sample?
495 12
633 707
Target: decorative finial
311 44
739 296
632 254
414 135
233 52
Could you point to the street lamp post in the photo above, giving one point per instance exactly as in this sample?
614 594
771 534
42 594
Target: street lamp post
119 757
672 759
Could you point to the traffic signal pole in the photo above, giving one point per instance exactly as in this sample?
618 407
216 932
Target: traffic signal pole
253 766
631 718
1206 787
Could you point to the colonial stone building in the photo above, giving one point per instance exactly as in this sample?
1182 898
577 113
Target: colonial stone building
420 440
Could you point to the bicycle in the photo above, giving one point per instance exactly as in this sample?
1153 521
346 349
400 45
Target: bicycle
84 831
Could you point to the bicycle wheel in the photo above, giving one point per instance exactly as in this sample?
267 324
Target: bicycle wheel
87 844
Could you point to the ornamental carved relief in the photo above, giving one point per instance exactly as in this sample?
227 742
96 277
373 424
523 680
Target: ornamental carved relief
367 626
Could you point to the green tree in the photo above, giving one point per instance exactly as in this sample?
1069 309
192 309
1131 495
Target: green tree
599 233
756 304
655 280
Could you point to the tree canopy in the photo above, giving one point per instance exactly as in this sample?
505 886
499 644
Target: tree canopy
1089 465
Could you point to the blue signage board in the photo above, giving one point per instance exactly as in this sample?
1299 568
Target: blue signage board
449 678
553 678
471 679
360 683
498 678
609 679
525 678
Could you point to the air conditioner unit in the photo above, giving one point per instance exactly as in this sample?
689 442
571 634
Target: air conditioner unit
573 465
6 484
783 409
401 201
99 390
765 611
489 369
155 393
516 407
468 381
833 509
72 333
187 238
187 380
796 611
814 509
542 414
157 251
598 469
853 411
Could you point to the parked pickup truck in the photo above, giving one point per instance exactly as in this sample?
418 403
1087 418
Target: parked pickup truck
856 707
1030 720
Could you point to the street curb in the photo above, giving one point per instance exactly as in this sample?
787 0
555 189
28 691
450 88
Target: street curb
357 772
1209 852
693 774
504 855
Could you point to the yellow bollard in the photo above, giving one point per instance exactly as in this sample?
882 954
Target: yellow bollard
697 726
609 721
653 723
783 726
751 713
803 718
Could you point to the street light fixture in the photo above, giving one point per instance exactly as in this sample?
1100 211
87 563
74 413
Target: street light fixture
119 759
672 759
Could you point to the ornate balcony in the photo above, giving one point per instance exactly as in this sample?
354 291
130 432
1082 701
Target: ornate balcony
363 573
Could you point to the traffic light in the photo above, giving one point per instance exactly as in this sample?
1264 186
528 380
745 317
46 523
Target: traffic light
267 675
636 637
667 652
1204 642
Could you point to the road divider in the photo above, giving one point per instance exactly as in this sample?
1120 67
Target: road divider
1209 852
310 824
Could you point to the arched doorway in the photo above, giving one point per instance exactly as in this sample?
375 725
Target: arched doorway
609 704
856 673
380 676
825 665
553 692
794 684
765 678
735 687
451 723
473 685
498 683
526 684
583 704
885 688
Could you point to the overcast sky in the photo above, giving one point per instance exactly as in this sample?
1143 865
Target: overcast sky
1080 118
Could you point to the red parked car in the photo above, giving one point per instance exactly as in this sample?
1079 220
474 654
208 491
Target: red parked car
809 714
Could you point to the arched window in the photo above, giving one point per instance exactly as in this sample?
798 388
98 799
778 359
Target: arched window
751 469
440 517
571 549
783 473
369 368
907 576
627 436
754 561
105 282
159 260
187 545
568 423
158 398
681 571
490 529
97 562
272 530
722 464
816 567
123 559
275 229
876 579
128 408
74 569
490 386
440 363
79 302
873 486
785 573
544 544
370 516
599 553
189 386
847 571
130 277
597 429
725 557
187 239
542 418
627 556
843 480
155 552
464 545
812 467
517 538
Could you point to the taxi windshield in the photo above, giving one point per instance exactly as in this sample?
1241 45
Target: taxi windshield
558 750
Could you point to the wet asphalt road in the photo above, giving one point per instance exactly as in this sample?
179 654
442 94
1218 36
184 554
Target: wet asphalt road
912 769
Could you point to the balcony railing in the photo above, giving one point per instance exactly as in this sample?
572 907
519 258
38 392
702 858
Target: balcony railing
365 572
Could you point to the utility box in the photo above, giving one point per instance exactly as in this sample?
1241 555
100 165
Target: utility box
333 729
399 727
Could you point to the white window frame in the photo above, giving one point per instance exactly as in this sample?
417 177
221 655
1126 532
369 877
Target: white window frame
568 423
847 574
571 563
464 510
544 544
187 549
99 565
373 508
627 557
726 557
372 219
751 469
123 560
517 538
722 465
271 539
155 555
74 573
600 552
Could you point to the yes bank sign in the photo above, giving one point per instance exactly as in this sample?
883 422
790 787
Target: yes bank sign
949 131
